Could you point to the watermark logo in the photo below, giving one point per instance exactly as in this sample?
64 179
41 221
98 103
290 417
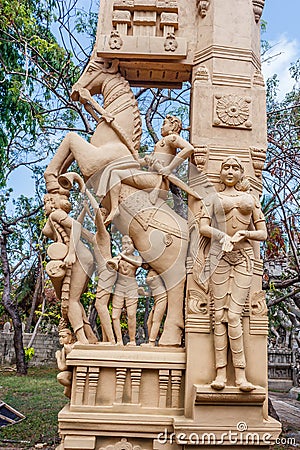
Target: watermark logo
239 436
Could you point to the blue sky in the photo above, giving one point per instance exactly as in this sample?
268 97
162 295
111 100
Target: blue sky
283 33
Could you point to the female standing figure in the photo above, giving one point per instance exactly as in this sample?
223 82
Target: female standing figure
231 218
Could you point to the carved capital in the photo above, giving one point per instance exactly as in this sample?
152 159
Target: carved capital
202 74
258 79
258 156
170 19
258 6
200 156
121 16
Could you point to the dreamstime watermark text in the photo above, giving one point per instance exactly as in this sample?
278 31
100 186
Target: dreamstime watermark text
239 436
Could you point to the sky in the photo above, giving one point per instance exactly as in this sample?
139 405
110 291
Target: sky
283 33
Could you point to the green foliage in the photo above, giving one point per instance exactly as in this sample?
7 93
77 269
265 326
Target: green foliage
29 353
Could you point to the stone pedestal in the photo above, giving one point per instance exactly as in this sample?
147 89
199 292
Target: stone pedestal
122 392
135 397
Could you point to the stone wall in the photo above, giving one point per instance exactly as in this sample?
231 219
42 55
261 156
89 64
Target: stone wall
283 368
45 346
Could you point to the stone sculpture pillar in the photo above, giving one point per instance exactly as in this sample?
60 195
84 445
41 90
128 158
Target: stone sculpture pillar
151 397
227 118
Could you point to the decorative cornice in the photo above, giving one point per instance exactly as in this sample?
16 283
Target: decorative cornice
224 52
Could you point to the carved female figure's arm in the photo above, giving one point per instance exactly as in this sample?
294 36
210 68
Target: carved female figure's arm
207 230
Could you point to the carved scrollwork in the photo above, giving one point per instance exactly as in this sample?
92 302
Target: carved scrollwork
232 111
197 302
123 444
258 304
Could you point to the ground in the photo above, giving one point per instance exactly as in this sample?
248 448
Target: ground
40 397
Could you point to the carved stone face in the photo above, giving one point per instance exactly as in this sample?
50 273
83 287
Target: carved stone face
48 204
231 173
65 337
127 245
167 127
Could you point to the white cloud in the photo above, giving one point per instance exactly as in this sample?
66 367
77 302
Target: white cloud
287 52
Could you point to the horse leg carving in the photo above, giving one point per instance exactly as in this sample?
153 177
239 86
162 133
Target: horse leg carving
173 326
72 147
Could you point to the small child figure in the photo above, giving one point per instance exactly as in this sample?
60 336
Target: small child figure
126 289
65 376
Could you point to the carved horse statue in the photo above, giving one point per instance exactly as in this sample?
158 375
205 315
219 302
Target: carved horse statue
158 233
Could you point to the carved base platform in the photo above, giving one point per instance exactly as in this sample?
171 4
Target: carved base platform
132 392
133 399
228 417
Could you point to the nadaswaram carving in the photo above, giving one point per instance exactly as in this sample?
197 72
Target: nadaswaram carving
226 220
232 111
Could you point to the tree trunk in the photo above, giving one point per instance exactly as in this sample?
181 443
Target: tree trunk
35 297
179 203
146 316
11 308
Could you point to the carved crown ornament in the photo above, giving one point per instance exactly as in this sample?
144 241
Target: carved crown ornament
232 111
